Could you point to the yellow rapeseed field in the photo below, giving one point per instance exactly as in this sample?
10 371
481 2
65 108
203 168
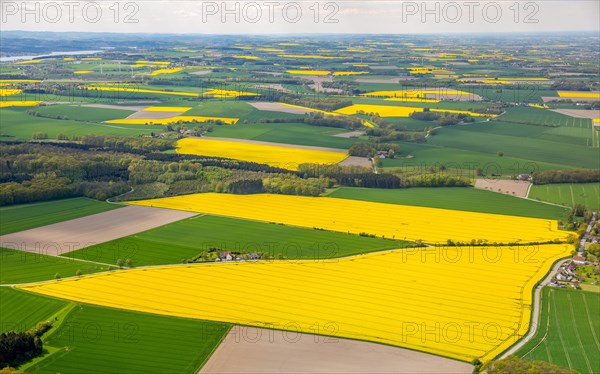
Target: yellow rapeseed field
9 91
432 225
274 155
247 57
397 111
179 109
458 302
28 62
412 99
171 120
308 72
141 90
6 104
165 71
579 94
82 72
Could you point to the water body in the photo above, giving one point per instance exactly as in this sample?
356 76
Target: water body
51 54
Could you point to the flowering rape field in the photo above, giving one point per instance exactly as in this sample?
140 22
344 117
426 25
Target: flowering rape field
170 120
397 111
412 298
412 223
274 155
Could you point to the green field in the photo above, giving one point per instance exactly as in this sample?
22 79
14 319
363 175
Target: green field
457 198
20 311
23 267
462 162
79 113
92 339
519 141
568 194
27 216
569 330
172 243
18 125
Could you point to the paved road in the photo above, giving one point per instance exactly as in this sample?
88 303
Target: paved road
536 312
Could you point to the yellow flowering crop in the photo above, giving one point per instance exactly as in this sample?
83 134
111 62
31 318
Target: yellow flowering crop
141 90
82 72
180 109
165 71
247 57
390 220
171 120
458 302
412 99
579 94
28 62
308 72
9 91
6 104
397 111
146 62
274 155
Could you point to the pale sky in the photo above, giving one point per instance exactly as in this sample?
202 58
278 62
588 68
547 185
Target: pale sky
288 17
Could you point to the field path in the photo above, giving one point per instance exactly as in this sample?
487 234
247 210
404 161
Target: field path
536 313
67 236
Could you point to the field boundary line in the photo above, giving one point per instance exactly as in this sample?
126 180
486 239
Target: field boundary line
543 339
536 313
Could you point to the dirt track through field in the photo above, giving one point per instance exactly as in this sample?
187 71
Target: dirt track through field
67 236
254 350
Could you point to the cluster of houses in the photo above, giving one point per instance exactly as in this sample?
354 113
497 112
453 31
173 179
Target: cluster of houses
228 256
566 273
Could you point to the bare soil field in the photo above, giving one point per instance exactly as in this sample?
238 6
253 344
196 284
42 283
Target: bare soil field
277 107
201 72
67 236
356 161
153 115
254 350
579 113
505 186
350 134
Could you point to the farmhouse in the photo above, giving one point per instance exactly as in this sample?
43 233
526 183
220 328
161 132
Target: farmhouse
579 260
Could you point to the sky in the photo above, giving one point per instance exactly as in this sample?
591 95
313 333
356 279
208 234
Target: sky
301 16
